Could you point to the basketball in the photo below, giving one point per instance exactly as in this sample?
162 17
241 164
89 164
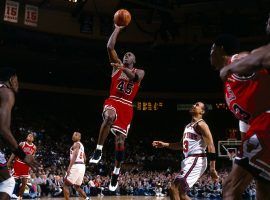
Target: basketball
122 17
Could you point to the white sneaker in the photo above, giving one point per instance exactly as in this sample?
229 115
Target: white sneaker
114 182
113 188
96 156
14 196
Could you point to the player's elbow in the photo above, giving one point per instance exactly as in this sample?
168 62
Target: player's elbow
110 47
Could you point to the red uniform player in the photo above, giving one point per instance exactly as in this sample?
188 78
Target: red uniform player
118 109
246 88
22 170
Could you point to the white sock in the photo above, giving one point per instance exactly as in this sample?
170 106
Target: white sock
99 147
116 170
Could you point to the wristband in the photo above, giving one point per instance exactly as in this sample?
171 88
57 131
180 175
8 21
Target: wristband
20 153
212 156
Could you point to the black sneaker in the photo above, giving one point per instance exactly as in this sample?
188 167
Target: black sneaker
96 156
113 183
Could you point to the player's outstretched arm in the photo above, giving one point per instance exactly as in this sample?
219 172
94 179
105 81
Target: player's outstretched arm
161 144
258 59
113 57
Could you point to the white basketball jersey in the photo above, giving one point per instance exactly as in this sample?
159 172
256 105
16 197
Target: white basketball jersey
80 156
193 142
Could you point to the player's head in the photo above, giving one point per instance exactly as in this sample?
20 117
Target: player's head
9 77
129 59
268 25
76 136
30 138
223 47
199 108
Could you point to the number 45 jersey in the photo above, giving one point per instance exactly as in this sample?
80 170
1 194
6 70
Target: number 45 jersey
121 88
122 93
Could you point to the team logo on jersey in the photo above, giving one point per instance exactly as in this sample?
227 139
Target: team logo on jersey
229 95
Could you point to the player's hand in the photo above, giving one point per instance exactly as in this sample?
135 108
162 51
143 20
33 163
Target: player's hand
214 175
117 65
118 27
30 160
158 144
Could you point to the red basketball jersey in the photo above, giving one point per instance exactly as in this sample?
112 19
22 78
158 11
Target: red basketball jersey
248 97
122 88
28 149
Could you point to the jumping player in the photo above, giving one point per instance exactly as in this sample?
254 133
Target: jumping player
22 170
76 168
246 88
195 139
8 87
118 109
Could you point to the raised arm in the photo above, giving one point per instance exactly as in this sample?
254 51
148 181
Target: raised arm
113 57
161 144
256 60
208 139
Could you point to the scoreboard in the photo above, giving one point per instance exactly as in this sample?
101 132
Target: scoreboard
149 105
165 105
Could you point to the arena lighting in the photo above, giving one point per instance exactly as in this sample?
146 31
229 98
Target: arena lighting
74 1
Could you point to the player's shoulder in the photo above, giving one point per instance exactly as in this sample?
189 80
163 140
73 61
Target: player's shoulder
6 94
202 124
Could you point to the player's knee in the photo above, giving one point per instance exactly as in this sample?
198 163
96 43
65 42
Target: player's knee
109 119
120 139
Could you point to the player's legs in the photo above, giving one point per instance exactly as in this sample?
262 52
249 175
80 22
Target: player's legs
236 182
22 188
119 157
109 116
262 190
66 186
80 191
176 192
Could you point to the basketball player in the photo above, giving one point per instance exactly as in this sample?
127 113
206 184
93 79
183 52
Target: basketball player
196 138
22 170
118 109
8 87
246 87
76 168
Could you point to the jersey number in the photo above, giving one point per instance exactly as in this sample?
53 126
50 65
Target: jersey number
126 88
185 146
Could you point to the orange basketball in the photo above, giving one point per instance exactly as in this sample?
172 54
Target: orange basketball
122 17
